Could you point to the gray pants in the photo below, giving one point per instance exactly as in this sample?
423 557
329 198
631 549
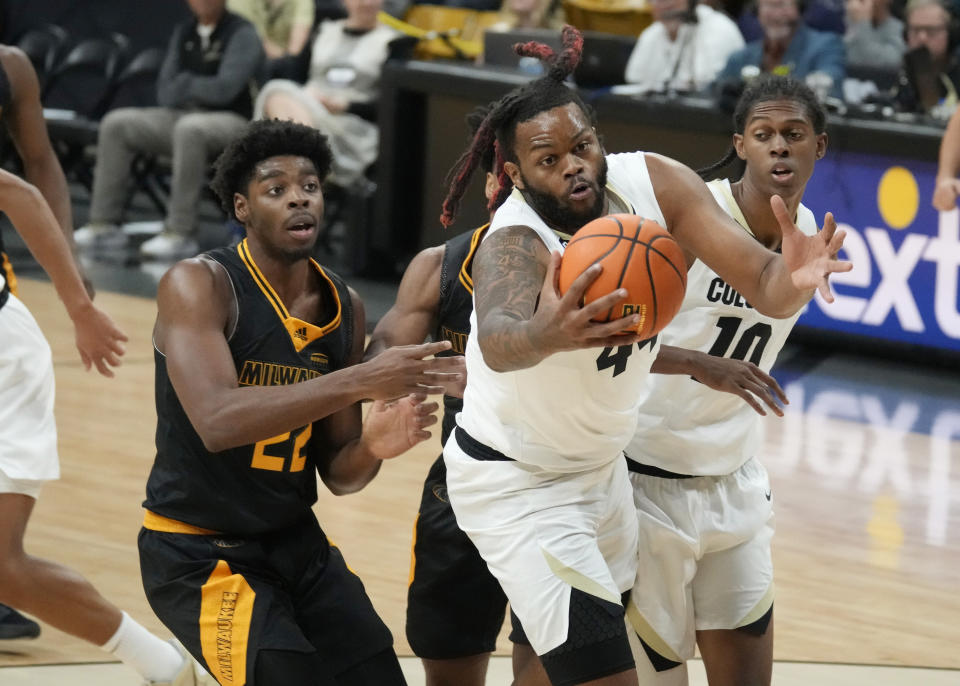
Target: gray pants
190 139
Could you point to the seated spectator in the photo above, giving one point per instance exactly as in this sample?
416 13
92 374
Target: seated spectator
790 48
341 92
284 26
931 41
874 37
683 49
204 92
822 15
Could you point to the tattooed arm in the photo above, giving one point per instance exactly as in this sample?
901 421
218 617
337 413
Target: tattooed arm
521 317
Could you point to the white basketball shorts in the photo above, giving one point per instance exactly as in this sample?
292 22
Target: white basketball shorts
542 533
28 432
704 558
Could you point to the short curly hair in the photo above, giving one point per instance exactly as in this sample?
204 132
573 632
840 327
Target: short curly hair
262 140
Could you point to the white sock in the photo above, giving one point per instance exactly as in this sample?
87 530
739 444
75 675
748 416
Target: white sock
155 659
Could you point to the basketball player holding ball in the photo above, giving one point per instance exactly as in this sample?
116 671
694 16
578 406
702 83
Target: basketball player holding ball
703 499
535 468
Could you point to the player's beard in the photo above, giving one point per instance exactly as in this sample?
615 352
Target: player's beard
556 213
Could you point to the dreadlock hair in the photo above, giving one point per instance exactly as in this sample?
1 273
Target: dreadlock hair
496 133
262 140
765 88
488 157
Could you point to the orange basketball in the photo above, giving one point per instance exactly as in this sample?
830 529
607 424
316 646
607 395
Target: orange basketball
637 254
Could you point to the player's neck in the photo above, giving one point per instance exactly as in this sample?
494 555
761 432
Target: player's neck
290 278
755 206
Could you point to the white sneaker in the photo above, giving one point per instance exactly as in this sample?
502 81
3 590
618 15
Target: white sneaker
99 236
169 246
190 674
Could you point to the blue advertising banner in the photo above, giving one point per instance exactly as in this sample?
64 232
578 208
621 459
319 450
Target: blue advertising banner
906 255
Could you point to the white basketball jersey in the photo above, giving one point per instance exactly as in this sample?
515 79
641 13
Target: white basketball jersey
574 410
684 426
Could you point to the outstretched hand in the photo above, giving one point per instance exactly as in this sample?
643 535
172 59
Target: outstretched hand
810 259
392 428
562 323
402 370
744 379
945 194
99 340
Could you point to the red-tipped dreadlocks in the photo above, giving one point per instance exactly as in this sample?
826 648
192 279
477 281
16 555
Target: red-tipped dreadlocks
519 105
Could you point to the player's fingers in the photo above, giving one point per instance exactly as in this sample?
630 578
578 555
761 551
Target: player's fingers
782 215
824 288
599 307
85 359
427 349
771 384
429 420
615 341
427 408
836 243
430 390
750 399
762 391
574 294
103 368
829 228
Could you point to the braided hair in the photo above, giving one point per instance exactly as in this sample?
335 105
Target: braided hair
496 133
766 88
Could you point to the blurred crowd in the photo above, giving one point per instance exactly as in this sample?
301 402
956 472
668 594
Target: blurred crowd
319 62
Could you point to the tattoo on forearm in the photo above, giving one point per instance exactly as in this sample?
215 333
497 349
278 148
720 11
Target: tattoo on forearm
508 273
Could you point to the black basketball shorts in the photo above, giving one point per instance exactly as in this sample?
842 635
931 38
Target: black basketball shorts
227 598
455 607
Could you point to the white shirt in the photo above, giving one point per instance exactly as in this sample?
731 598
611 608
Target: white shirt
684 426
574 410
689 63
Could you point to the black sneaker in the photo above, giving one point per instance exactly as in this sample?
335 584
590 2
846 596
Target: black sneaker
15 625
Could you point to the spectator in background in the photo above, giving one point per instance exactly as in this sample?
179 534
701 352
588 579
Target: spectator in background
340 95
284 26
874 37
683 49
822 15
931 41
204 90
790 48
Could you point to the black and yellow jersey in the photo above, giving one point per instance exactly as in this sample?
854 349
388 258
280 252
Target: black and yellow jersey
251 489
456 304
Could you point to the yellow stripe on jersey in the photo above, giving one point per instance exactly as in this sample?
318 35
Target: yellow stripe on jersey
301 333
226 608
155 522
8 272
465 278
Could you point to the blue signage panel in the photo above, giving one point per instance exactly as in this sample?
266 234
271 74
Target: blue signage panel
906 255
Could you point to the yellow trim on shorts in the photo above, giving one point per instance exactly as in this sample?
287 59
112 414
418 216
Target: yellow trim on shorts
155 522
226 609
413 552
759 610
649 636
578 580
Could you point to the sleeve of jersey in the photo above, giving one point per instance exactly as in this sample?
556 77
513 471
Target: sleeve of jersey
806 221
628 174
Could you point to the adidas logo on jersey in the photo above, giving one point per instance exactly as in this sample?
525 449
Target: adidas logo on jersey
301 333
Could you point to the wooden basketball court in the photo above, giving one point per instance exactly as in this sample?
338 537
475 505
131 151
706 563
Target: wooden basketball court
867 551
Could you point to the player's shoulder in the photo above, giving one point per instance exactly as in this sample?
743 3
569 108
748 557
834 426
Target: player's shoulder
194 278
